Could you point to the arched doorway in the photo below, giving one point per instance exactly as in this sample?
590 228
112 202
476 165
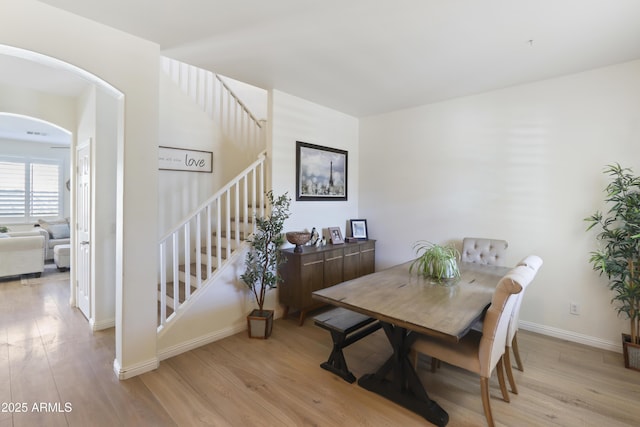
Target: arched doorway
47 89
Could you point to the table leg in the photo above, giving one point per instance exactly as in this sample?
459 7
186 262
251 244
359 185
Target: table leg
398 381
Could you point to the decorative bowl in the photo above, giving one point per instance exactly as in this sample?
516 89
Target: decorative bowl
298 238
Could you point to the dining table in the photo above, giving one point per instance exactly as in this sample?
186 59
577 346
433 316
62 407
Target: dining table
408 304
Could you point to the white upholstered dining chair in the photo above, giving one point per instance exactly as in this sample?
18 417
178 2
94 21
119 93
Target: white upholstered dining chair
483 251
532 263
477 352
479 250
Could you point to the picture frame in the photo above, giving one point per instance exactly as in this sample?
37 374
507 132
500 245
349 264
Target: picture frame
321 173
359 229
335 235
181 159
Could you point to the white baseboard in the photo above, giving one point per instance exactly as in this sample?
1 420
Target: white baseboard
200 341
571 336
137 369
103 324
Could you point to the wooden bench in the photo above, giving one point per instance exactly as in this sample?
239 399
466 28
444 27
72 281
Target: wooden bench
346 327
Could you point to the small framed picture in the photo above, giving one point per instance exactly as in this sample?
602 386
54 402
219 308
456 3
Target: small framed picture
359 229
335 235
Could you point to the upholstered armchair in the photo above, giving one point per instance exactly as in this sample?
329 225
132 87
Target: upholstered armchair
483 251
55 232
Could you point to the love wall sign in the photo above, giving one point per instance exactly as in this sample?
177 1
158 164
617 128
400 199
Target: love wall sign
179 159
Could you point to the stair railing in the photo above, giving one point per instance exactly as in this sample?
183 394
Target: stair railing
215 97
223 221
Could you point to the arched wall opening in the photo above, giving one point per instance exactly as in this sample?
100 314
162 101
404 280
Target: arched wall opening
61 98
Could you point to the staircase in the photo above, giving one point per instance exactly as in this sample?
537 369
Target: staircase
194 252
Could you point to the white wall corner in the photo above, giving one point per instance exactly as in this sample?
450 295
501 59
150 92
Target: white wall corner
103 324
135 370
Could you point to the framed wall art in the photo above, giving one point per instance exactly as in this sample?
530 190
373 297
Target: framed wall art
359 229
321 172
335 235
180 159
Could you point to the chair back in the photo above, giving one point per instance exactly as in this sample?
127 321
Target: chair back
483 251
496 320
532 264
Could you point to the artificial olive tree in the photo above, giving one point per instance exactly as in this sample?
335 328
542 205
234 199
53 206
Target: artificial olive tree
263 258
619 256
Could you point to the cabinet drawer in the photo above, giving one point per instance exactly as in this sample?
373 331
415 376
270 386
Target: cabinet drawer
368 246
333 255
311 259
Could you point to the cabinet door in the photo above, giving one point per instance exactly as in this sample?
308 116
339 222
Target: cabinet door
367 258
333 267
351 261
311 277
288 288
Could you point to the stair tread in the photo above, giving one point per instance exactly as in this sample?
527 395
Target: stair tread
181 290
224 234
214 251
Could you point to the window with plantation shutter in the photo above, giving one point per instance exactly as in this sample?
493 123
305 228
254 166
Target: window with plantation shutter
12 190
29 189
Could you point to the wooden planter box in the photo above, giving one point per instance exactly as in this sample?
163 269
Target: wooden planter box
260 323
631 353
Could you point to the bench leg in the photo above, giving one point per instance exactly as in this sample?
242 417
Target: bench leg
337 363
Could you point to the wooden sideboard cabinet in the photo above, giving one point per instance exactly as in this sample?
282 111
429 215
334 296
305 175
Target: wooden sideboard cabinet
318 268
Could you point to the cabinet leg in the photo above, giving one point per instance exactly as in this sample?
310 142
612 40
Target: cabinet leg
303 315
285 314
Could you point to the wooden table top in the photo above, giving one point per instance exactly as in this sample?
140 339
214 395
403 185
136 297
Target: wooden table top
446 309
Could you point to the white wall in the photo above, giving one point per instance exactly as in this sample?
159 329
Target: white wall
221 310
131 65
104 210
522 164
56 109
183 124
295 119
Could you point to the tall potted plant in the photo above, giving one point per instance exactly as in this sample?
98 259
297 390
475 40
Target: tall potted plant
262 261
619 258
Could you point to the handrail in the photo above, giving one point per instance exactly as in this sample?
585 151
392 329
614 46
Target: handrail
218 220
192 253
244 107
261 157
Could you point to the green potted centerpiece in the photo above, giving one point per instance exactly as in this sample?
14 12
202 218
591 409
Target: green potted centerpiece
262 261
619 257
435 261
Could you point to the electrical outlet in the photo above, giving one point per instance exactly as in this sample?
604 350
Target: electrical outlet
574 308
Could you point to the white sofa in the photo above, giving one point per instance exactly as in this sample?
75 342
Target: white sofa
22 253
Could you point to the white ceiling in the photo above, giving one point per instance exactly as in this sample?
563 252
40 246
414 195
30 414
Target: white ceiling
27 72
364 57
23 128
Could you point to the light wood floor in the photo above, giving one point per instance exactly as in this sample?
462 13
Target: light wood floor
48 355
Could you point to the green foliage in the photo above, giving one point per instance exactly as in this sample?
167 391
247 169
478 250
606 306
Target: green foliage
438 262
263 258
619 234
3 228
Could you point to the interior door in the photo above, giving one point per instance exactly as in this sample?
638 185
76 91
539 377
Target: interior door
83 234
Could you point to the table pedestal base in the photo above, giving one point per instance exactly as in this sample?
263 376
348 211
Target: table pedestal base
404 387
